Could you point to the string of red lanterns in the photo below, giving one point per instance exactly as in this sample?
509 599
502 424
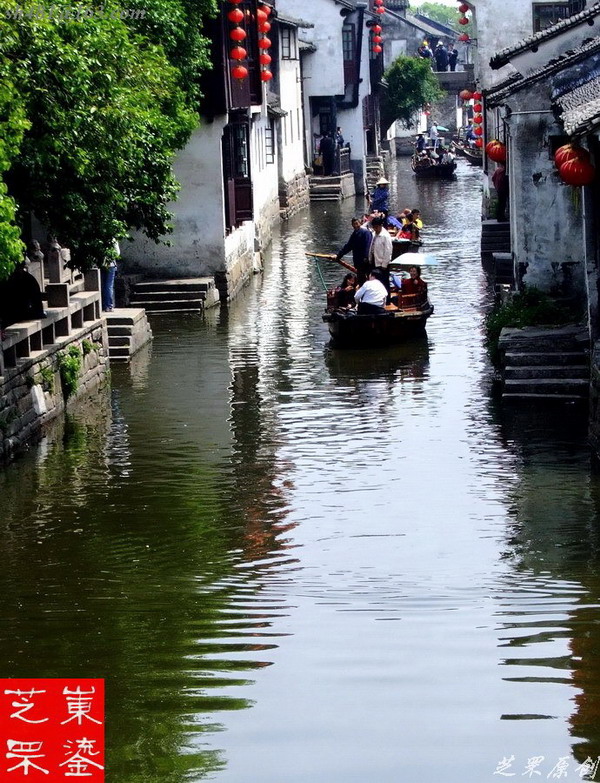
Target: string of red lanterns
264 43
237 34
376 38
379 9
464 20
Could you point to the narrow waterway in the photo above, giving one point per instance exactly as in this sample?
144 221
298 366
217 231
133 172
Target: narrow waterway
296 565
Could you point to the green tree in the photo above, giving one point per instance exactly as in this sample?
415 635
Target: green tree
410 85
13 124
106 106
440 13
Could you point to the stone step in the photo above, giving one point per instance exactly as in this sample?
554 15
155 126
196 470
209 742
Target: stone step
326 198
170 305
185 284
546 372
557 359
578 387
124 316
550 339
145 296
120 341
120 353
537 398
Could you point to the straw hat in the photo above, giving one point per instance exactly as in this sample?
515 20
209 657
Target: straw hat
382 181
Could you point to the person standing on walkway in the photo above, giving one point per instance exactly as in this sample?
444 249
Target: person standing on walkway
328 148
500 182
441 57
360 244
452 56
108 274
380 253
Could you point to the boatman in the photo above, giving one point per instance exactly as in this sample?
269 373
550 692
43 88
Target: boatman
380 198
359 243
380 253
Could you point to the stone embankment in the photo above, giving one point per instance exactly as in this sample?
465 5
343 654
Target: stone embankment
48 364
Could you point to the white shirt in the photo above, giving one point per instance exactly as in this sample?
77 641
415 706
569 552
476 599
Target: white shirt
381 249
433 132
372 292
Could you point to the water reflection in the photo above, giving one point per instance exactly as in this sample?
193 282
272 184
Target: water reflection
299 564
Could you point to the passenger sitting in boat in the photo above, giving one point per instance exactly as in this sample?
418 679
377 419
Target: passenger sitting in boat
410 229
345 292
371 296
394 221
447 157
415 286
416 213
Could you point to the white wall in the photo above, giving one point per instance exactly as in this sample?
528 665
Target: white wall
498 27
292 150
197 242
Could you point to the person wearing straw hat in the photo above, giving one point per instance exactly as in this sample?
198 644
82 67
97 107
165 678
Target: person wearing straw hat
381 196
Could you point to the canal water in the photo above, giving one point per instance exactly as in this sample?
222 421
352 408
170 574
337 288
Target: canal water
298 565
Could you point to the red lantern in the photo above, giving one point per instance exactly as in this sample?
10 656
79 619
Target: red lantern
264 43
379 2
266 76
478 119
238 53
261 16
463 8
477 107
377 29
463 20
479 143
496 151
239 72
478 96
235 2
235 16
466 95
478 131
380 10
264 58
577 172
264 27
377 39
265 9
464 37
570 152
377 49
237 34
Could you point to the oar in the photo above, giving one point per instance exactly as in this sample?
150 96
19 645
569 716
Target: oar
331 257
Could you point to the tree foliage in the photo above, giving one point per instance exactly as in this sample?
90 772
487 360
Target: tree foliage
411 85
102 105
439 12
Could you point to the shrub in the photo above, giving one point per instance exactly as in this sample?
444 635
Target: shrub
69 367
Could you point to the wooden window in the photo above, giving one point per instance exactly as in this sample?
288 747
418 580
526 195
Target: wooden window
236 172
349 52
547 14
270 142
289 43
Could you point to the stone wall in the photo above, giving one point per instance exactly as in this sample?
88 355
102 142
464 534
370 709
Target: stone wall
594 432
294 195
34 393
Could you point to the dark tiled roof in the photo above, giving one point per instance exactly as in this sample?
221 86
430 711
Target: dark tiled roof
579 109
504 56
566 60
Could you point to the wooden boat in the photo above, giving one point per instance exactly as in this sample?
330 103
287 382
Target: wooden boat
405 319
401 246
350 330
474 156
423 170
